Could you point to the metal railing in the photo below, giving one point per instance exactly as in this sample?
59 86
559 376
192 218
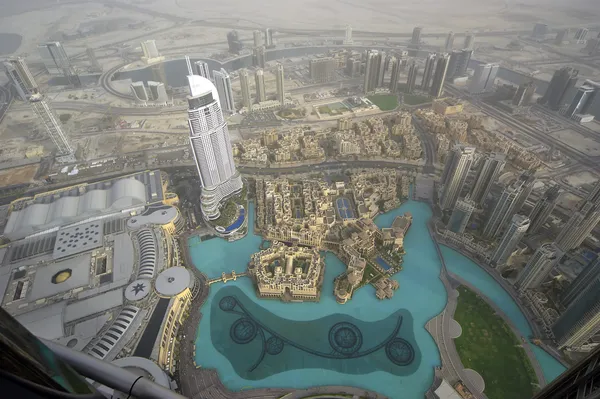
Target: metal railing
111 375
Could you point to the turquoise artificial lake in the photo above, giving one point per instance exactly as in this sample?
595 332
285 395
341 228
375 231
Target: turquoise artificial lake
399 373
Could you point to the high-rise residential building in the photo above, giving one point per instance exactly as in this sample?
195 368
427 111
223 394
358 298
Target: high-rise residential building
525 181
57 62
269 42
503 211
449 41
538 267
460 215
373 67
322 70
245 89
483 78
456 170
259 57
439 76
462 63
416 35
540 30
581 320
469 41
428 71
96 67
259 78
150 53
280 83
348 35
411 81
258 39
490 167
201 69
524 94
395 75
223 85
52 125
543 209
21 77
382 69
139 92
353 67
589 274
578 227
561 36
584 98
562 81
157 92
510 239
234 43
581 35
452 63
211 147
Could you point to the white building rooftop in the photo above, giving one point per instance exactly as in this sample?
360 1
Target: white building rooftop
173 281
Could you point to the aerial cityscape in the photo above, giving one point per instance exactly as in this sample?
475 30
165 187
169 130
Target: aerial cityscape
376 200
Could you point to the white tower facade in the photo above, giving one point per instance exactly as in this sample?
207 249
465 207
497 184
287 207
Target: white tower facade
22 78
223 84
201 68
279 78
211 146
348 36
455 174
538 267
509 241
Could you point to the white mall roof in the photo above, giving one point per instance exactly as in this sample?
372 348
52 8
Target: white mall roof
173 281
445 391
162 215
137 290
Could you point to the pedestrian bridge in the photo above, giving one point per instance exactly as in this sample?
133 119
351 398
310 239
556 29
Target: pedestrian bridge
227 277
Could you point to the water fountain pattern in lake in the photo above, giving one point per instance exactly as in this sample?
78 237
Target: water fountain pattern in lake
260 344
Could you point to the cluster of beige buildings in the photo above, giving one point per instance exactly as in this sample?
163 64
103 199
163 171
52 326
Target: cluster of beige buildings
377 186
288 273
448 131
294 211
410 147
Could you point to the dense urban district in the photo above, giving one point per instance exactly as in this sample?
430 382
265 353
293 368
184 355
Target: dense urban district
129 145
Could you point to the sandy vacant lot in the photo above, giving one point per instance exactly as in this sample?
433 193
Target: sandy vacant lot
12 176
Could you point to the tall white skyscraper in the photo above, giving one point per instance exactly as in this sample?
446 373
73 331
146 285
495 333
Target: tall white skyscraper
245 89
449 41
280 80
578 227
211 147
458 164
65 152
490 167
257 36
502 211
201 69
348 36
542 209
538 267
223 84
21 77
261 94
469 40
269 42
509 241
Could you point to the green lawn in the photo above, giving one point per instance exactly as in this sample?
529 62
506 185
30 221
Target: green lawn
228 212
414 99
488 346
385 102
